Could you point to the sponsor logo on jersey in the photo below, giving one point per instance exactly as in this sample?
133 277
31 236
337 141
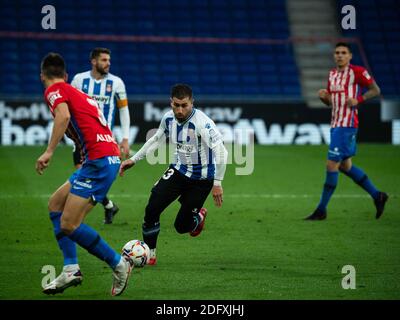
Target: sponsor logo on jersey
189 148
104 138
53 96
337 88
366 75
101 99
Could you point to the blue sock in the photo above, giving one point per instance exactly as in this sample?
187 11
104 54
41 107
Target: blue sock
329 187
89 239
362 180
67 246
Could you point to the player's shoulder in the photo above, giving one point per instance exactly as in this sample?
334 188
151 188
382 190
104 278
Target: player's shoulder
361 72
113 77
357 69
81 75
168 114
201 117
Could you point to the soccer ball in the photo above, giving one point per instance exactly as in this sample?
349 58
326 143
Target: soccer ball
138 251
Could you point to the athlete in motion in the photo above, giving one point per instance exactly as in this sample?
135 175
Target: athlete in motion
79 116
197 168
344 95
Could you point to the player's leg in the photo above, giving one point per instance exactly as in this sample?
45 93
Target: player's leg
77 156
360 178
89 185
71 274
191 215
68 247
165 191
110 210
331 175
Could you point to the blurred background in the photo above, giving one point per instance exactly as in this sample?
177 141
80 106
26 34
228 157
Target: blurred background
246 60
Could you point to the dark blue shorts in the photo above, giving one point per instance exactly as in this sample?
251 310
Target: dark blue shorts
343 143
95 178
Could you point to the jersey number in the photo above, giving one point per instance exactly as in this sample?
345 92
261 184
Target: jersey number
100 114
168 174
102 119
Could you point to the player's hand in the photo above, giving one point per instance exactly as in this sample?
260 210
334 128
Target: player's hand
217 193
351 102
323 94
124 147
43 162
125 165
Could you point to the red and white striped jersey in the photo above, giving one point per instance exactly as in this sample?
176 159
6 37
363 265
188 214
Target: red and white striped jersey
343 85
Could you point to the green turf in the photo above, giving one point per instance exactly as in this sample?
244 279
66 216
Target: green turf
255 247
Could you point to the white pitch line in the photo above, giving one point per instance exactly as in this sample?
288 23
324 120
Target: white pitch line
227 195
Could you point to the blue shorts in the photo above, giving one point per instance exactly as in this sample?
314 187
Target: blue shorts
95 178
343 143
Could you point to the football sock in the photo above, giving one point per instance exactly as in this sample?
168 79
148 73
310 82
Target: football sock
359 177
150 234
67 246
196 221
329 187
89 239
107 203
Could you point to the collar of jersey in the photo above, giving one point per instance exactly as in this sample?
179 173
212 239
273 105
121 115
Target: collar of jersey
99 80
191 115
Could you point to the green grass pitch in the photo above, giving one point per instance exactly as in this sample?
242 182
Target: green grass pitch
255 247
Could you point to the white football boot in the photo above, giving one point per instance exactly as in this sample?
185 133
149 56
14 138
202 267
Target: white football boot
121 276
70 276
152 259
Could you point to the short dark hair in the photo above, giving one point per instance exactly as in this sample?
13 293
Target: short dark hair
53 66
343 44
181 91
95 53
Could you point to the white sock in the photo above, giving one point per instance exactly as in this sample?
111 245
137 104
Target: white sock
109 205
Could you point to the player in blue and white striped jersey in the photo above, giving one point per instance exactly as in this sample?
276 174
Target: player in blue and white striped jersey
197 168
109 92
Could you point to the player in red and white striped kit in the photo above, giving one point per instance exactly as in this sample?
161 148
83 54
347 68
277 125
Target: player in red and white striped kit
343 93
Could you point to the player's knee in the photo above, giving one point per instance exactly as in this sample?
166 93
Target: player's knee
67 226
345 166
332 165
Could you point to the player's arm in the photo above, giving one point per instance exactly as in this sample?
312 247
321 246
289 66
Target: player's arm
372 92
152 144
221 155
124 117
366 81
325 95
61 121
213 138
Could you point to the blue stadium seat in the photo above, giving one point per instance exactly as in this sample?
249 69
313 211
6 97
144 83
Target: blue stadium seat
152 67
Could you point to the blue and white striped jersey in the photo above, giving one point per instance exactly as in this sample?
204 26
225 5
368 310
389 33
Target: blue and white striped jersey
109 92
193 142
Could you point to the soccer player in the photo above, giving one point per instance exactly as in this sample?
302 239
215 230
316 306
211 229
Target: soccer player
198 167
344 95
109 92
77 115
